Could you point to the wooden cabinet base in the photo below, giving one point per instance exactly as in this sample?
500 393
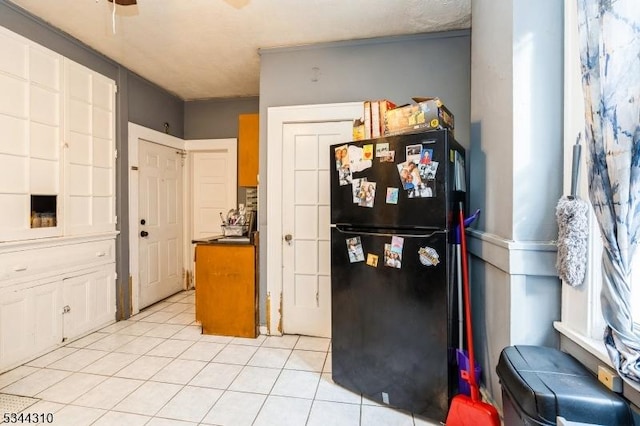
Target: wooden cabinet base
226 297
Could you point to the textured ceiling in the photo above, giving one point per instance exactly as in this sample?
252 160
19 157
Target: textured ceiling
200 49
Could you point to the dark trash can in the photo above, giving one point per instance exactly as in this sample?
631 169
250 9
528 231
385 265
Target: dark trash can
540 384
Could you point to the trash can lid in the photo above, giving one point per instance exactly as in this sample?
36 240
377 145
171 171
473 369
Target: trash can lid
544 383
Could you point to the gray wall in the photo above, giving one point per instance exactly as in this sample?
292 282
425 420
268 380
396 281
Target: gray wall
216 118
395 68
137 100
151 106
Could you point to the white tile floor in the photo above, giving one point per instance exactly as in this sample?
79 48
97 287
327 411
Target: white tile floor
158 369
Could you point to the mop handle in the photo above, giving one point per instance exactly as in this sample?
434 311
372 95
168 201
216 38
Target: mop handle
467 309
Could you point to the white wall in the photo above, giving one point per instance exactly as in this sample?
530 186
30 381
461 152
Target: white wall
516 175
491 154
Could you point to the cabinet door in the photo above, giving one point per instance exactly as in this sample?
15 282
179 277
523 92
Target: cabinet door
89 132
248 126
47 315
16 326
31 122
88 301
77 305
225 289
102 293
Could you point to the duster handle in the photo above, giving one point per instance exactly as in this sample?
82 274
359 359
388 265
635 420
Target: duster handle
575 165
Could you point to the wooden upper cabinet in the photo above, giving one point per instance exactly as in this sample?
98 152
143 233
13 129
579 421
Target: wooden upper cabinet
248 125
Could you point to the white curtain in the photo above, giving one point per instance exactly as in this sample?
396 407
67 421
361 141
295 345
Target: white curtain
610 57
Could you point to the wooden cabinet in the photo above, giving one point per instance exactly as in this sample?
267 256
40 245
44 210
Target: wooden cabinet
248 126
226 297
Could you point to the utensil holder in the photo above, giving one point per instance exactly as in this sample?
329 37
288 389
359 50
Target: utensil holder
234 230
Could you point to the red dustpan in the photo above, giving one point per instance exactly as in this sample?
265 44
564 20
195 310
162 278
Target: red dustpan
464 410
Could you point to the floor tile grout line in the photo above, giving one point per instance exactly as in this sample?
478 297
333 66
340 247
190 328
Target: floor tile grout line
300 345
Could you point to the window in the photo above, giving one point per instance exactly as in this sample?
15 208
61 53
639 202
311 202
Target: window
581 311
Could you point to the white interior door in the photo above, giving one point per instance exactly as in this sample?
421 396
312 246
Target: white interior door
160 222
214 190
306 261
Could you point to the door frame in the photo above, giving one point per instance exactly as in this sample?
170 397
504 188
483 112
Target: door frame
276 118
136 133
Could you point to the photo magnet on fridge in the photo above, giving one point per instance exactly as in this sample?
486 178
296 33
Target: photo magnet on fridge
392 195
409 175
354 247
426 155
344 176
372 260
342 165
342 157
392 258
356 184
425 190
413 152
367 152
367 194
382 149
428 256
397 243
387 157
428 171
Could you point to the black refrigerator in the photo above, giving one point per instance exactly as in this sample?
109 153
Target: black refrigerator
394 202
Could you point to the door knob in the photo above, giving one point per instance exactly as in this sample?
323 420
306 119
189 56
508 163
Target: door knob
143 233
288 238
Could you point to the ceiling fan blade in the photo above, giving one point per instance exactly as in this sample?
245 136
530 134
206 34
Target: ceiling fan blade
124 2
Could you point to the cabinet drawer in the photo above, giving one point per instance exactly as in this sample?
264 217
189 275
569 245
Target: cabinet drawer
53 260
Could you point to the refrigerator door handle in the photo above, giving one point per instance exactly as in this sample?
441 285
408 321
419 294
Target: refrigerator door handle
350 229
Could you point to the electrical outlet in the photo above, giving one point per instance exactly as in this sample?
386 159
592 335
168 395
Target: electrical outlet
610 379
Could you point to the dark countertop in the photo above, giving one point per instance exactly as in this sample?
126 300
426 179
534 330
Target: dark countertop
221 240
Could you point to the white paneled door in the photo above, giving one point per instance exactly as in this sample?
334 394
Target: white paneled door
160 222
214 190
306 225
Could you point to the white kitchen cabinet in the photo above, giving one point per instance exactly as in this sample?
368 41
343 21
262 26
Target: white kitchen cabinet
30 320
57 198
88 301
46 305
53 292
57 151
89 129
30 147
16 325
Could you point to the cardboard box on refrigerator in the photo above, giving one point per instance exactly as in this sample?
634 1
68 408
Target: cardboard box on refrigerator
426 114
